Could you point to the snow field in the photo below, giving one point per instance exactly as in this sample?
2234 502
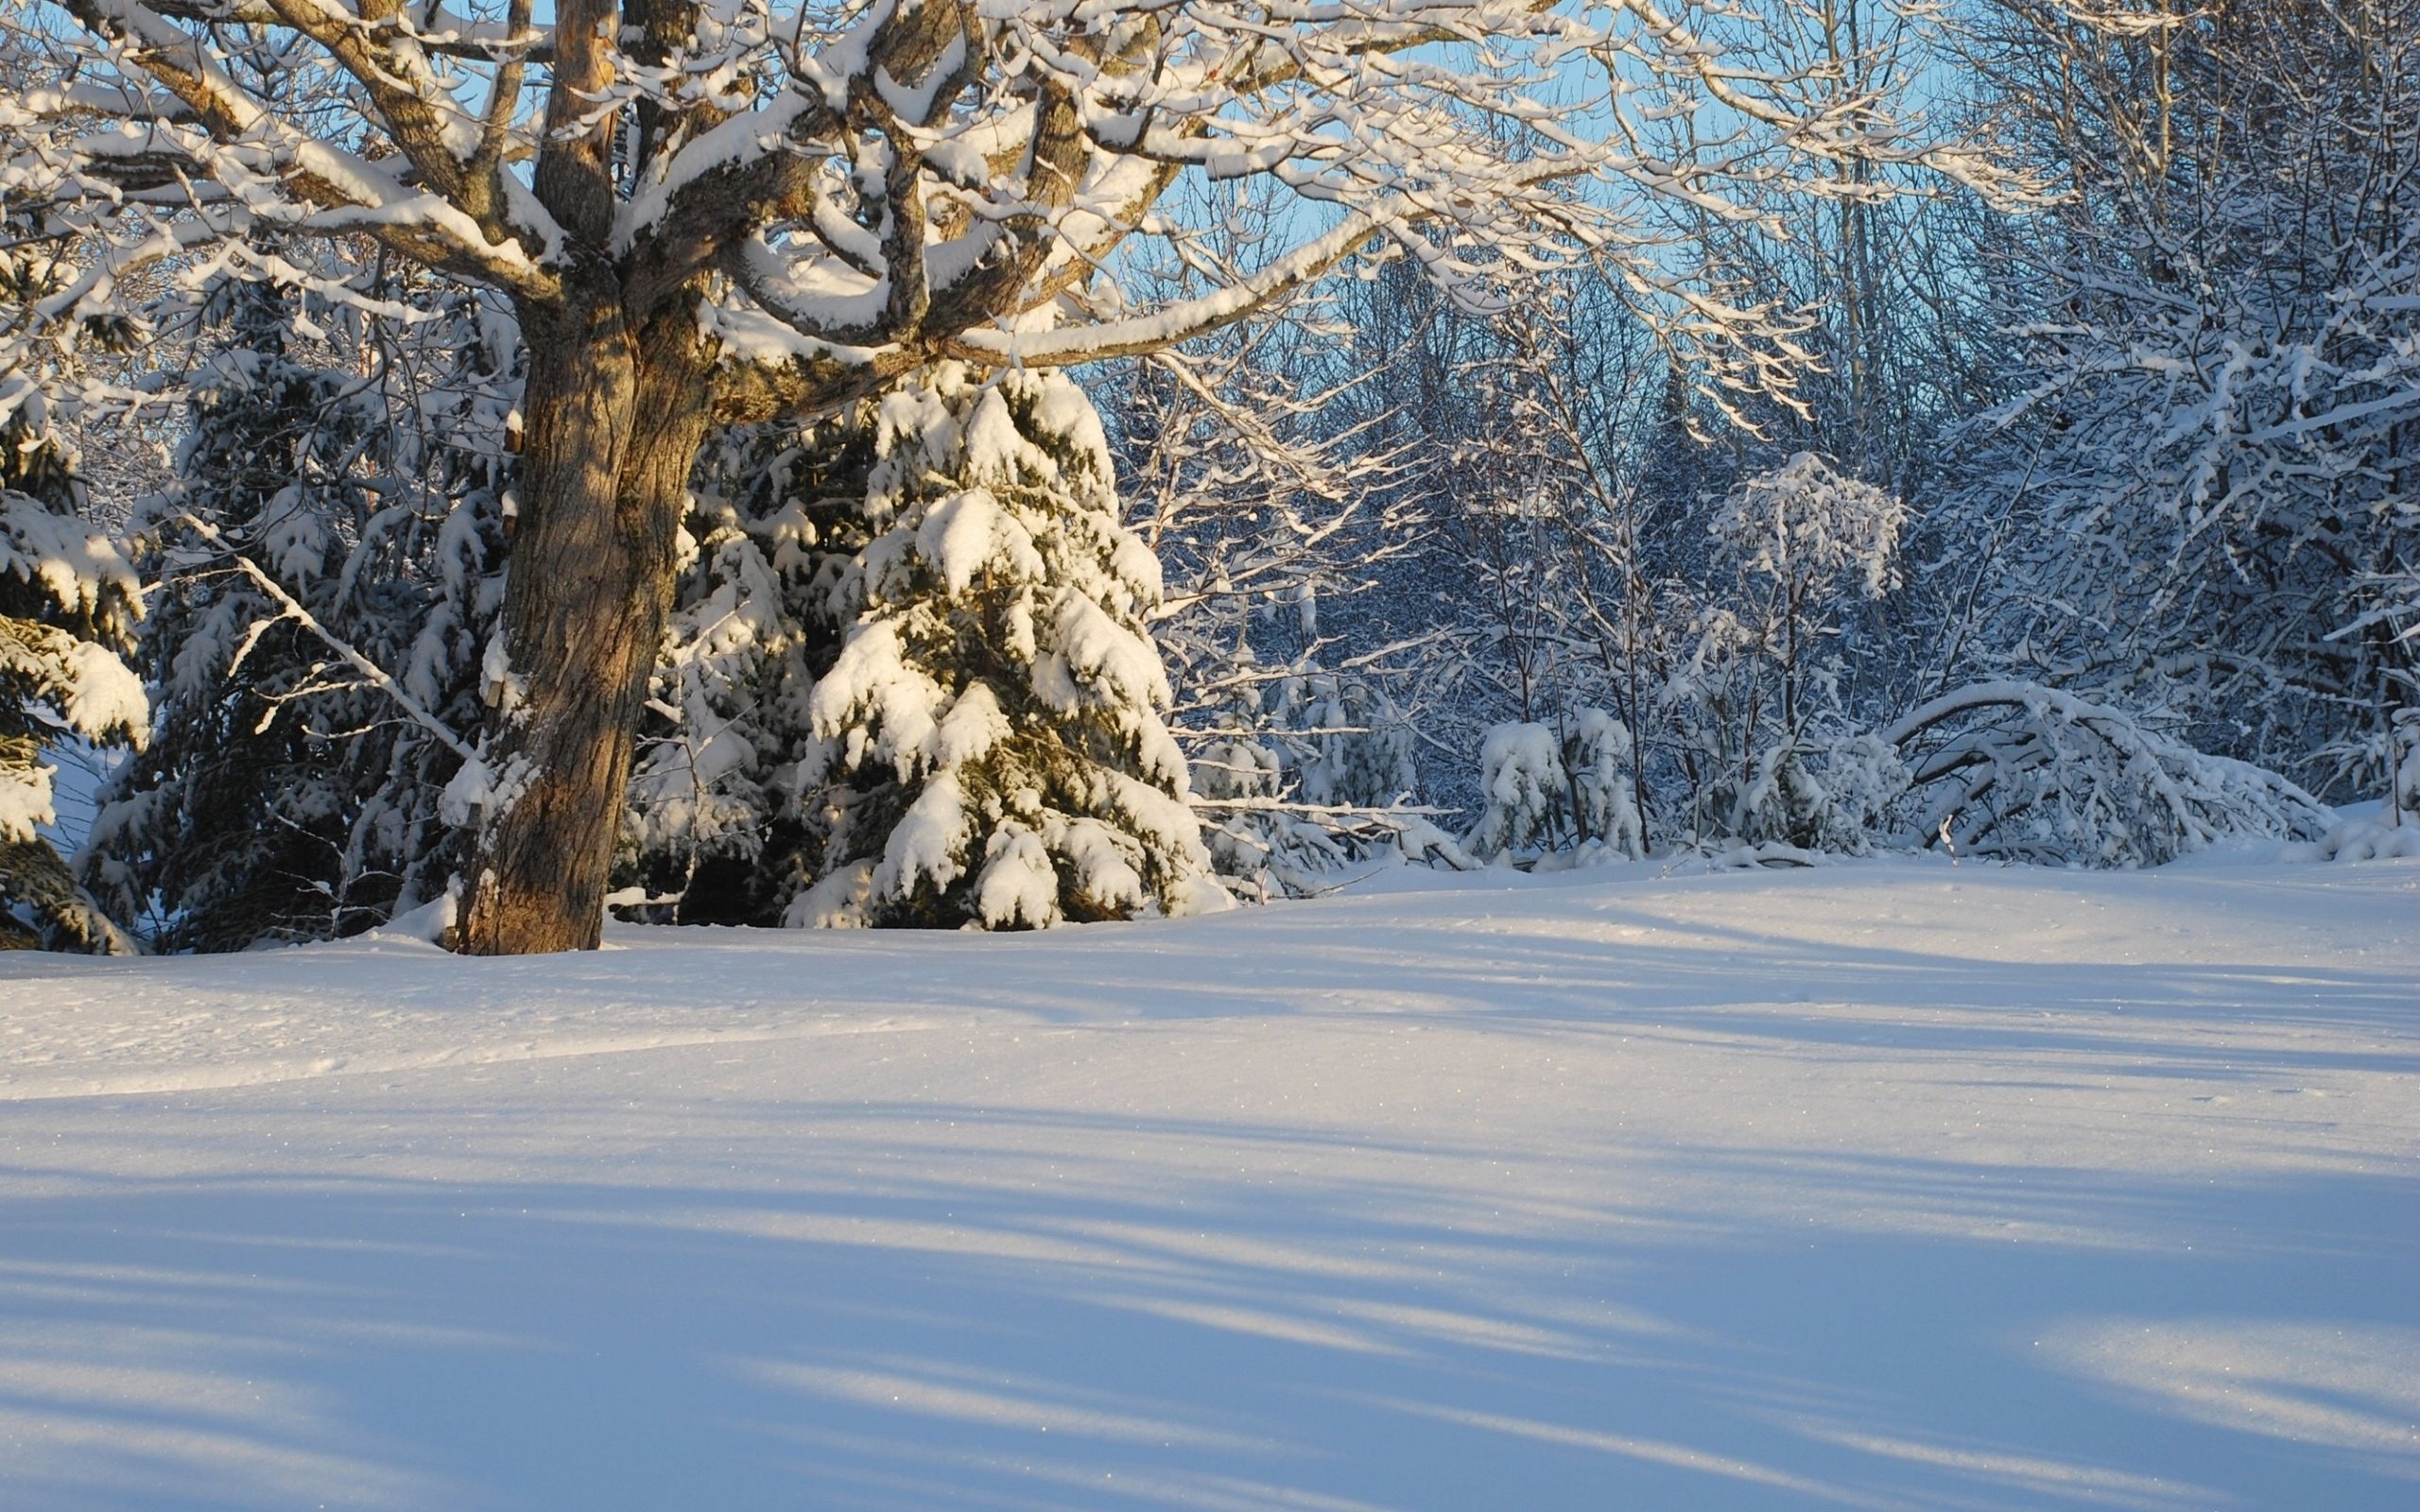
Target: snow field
1886 1185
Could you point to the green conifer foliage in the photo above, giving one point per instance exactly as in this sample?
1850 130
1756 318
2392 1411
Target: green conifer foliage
69 603
360 472
911 682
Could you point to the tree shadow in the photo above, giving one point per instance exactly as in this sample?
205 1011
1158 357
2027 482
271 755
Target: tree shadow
495 1261
893 1316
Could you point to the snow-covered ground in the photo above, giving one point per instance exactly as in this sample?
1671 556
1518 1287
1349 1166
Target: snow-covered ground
1878 1186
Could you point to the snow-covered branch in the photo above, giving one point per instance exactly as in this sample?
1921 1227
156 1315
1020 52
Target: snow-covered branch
295 609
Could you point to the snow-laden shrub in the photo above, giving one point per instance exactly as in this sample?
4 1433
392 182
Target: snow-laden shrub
1547 790
1775 800
1255 835
1835 794
991 743
2028 773
1859 788
1599 762
1524 788
2359 840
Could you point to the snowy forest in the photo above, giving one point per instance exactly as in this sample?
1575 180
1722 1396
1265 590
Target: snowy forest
482 467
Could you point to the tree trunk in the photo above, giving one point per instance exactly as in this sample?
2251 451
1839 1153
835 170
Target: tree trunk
614 416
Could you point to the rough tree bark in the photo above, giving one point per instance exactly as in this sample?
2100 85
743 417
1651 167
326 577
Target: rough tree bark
615 414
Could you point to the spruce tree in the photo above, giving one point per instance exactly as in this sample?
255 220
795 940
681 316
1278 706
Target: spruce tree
337 498
717 830
910 680
68 606
992 749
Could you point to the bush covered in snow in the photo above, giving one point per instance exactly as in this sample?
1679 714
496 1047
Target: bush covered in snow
2027 773
2360 840
1522 783
1561 788
1598 763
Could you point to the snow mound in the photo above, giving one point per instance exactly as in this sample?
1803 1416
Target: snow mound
2359 839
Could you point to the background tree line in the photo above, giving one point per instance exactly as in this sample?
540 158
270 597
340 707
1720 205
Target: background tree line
1873 502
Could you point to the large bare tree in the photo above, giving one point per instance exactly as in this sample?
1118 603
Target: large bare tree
707 212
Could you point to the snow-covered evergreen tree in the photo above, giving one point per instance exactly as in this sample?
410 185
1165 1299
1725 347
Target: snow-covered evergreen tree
327 582
717 830
1600 761
1525 791
909 679
993 744
1565 790
69 603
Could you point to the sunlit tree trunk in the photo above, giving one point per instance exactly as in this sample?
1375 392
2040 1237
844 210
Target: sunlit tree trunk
614 417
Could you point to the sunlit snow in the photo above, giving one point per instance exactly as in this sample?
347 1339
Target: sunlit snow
1885 1185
